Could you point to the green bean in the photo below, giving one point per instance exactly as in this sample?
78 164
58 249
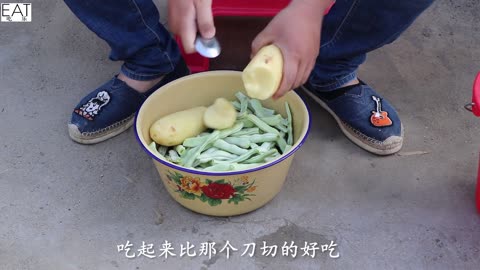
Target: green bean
281 142
240 96
243 157
196 163
256 106
290 129
266 146
246 123
241 166
180 149
210 150
188 154
217 154
246 131
243 102
194 141
254 145
191 156
261 157
220 167
223 145
261 125
210 159
229 131
201 160
282 128
203 165
173 156
268 112
260 138
153 148
236 104
287 148
243 108
162 150
272 120
270 158
239 141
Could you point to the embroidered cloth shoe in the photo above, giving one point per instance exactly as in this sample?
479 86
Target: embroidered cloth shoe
110 109
364 116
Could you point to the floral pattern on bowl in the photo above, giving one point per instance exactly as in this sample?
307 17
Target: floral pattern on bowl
212 192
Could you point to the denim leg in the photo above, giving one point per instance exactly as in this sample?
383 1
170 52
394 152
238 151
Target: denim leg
355 27
134 33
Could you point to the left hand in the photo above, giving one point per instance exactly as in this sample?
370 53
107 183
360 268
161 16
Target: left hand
187 17
296 31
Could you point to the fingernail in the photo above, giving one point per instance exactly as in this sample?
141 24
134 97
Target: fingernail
209 34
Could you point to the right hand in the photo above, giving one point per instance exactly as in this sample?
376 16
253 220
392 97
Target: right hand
296 30
188 17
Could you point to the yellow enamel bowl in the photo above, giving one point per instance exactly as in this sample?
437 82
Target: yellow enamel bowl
218 193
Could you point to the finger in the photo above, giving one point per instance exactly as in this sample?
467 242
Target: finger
260 41
307 72
290 69
203 9
302 67
173 22
188 30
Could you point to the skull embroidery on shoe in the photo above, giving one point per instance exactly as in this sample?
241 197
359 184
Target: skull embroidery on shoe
380 118
92 108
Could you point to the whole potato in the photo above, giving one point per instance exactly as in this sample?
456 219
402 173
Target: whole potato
174 128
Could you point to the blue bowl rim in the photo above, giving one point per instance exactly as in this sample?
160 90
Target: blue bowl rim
199 172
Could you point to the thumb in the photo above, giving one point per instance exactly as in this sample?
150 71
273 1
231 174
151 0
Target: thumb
205 18
260 41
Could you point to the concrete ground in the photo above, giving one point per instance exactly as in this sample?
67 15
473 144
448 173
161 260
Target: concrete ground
68 206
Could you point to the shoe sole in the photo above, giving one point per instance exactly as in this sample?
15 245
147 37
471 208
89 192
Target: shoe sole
100 136
354 136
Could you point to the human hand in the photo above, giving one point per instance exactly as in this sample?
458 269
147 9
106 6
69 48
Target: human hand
296 31
188 17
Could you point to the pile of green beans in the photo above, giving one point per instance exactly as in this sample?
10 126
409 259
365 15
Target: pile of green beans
259 135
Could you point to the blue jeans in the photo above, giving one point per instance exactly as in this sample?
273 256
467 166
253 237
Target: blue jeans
134 33
351 30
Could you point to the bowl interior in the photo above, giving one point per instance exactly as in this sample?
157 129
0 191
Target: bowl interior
202 89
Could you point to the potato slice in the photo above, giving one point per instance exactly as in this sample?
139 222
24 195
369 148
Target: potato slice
263 74
220 115
174 128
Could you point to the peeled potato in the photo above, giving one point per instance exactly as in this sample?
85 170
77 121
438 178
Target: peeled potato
220 115
263 74
174 128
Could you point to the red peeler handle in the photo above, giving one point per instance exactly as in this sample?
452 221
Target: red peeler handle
475 105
